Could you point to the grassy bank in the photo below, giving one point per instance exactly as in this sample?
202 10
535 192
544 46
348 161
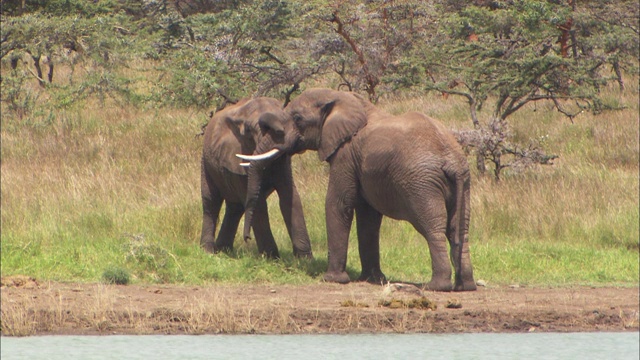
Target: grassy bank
104 186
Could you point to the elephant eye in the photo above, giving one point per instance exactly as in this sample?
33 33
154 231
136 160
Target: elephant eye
297 118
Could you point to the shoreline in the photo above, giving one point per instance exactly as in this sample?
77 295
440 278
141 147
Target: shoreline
54 308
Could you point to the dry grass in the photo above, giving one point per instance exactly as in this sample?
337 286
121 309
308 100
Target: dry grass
78 183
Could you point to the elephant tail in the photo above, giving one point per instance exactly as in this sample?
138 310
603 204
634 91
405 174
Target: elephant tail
462 202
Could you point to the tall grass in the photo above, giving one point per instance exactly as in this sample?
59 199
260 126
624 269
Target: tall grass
102 185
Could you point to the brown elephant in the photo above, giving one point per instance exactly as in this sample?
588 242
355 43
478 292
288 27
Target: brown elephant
407 167
241 129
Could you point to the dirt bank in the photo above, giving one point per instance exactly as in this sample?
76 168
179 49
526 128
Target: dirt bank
30 307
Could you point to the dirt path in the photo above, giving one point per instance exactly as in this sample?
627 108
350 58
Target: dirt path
29 307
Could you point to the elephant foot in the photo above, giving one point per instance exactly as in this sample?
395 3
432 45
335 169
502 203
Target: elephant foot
337 277
270 254
303 255
466 286
209 247
373 277
222 248
438 285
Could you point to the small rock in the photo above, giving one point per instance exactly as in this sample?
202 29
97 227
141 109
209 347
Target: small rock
454 304
514 286
481 283
273 291
398 287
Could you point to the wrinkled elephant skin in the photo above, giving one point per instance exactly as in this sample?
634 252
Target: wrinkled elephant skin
407 167
243 185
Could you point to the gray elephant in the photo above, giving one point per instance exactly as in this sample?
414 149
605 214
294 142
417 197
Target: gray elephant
407 167
239 130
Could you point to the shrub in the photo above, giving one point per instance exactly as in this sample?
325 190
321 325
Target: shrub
116 275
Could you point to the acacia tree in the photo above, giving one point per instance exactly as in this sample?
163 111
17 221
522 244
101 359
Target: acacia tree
51 36
362 43
247 49
506 54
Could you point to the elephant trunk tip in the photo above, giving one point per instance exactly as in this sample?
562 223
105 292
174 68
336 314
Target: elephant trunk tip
246 235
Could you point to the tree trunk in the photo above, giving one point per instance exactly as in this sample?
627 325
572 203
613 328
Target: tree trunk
616 69
50 74
482 169
36 63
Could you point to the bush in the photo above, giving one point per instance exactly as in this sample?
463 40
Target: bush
152 261
116 275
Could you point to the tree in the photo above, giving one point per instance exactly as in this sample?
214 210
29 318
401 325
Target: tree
362 43
506 54
249 49
48 33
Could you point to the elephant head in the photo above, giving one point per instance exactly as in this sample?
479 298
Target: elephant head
265 135
326 119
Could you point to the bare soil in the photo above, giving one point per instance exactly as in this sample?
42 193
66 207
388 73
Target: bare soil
30 307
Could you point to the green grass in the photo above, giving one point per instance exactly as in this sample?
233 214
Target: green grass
101 187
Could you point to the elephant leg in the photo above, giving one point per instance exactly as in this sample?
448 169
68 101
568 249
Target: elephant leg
440 263
339 206
262 230
368 221
211 205
229 227
292 213
433 228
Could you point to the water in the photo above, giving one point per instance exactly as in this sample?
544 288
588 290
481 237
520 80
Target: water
282 347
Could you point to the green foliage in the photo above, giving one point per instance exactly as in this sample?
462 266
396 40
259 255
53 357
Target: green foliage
205 53
152 262
116 275
514 54
17 99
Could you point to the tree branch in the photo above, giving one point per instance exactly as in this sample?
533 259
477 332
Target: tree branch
267 51
372 80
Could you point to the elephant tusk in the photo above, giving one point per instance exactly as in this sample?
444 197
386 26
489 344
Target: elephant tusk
266 155
245 164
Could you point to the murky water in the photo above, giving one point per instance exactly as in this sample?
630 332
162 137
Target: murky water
384 346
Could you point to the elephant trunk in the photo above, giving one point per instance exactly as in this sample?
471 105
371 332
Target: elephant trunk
253 192
255 172
264 155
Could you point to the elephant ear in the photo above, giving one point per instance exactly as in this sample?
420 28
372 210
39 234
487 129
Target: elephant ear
343 118
235 139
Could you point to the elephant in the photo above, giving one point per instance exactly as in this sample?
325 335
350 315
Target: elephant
238 130
407 167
